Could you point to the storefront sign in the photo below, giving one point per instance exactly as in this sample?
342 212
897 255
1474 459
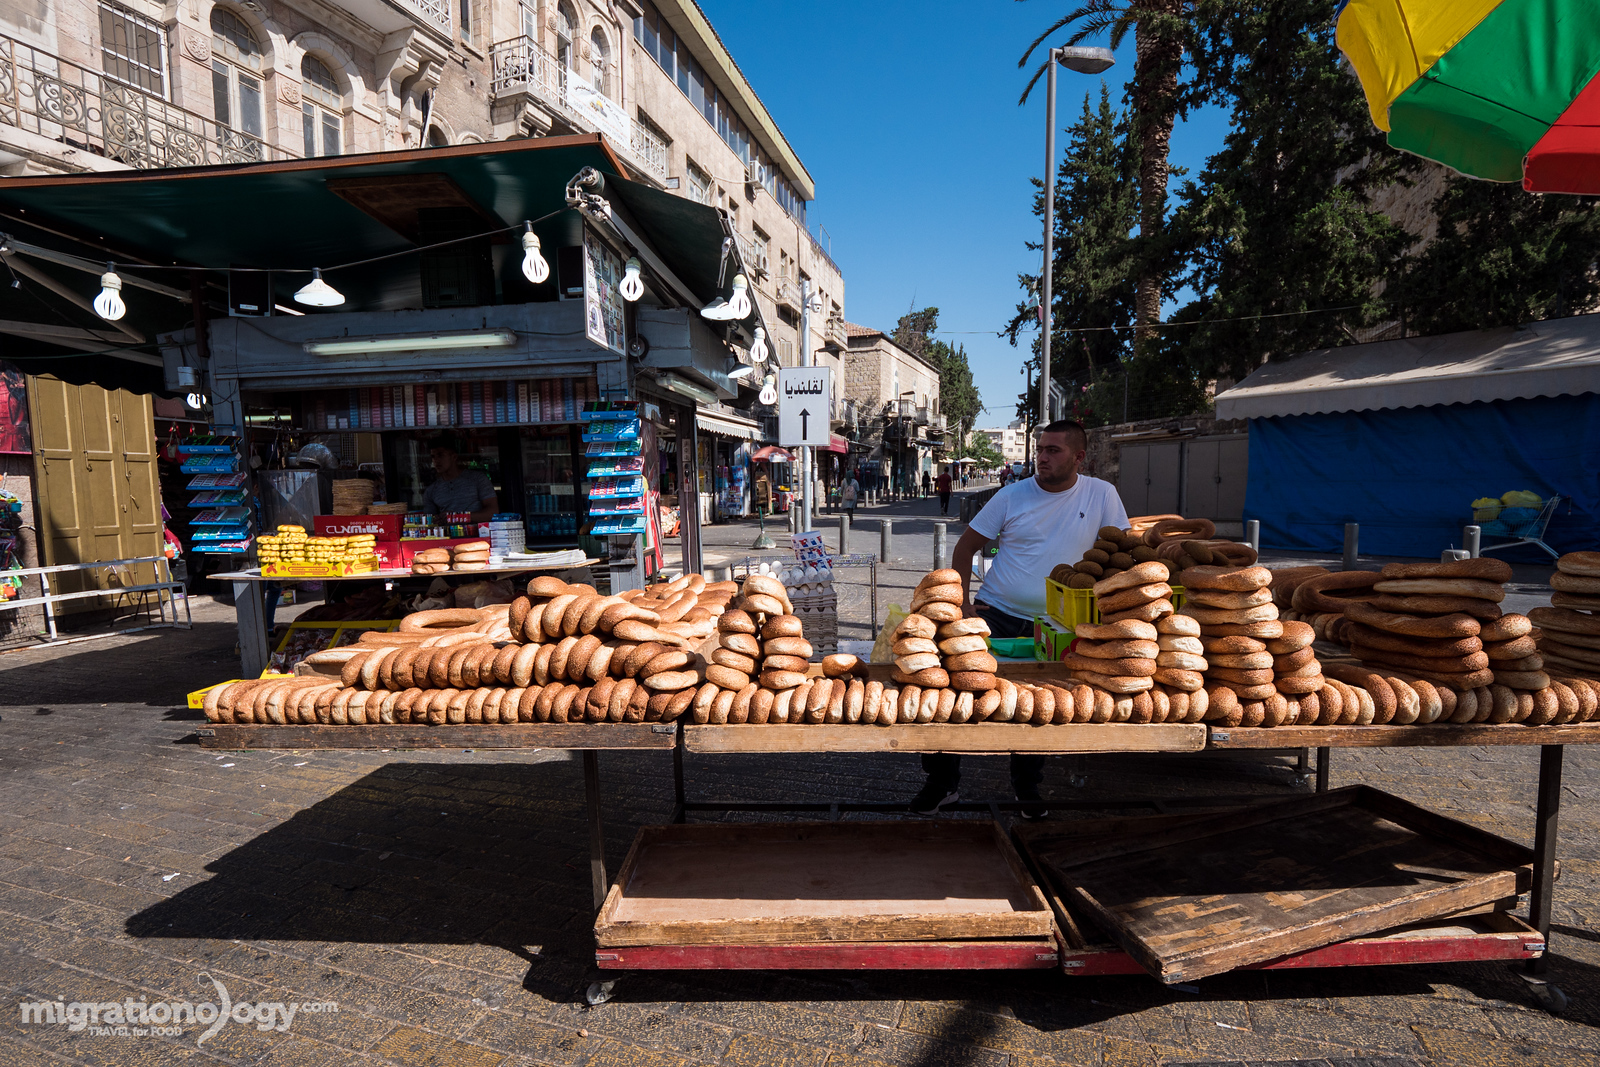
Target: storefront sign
804 396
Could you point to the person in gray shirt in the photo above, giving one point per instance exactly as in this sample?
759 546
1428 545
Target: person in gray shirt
456 489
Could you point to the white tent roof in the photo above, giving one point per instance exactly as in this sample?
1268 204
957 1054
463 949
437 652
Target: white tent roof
1558 357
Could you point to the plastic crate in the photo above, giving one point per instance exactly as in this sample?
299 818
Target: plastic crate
1072 607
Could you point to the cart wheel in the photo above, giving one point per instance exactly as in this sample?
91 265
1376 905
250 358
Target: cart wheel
1550 997
599 992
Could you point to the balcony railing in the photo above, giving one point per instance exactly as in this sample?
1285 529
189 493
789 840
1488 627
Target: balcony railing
435 13
73 105
519 65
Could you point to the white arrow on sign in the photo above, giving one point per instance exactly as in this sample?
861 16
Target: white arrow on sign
804 397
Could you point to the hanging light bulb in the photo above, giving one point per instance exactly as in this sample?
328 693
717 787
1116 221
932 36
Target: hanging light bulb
108 305
534 267
318 293
631 287
739 302
769 391
758 349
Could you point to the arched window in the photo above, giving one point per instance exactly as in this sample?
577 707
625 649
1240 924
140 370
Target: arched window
602 61
235 73
322 107
437 137
565 28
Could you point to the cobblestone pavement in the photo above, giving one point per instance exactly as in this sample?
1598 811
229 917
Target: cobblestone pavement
441 900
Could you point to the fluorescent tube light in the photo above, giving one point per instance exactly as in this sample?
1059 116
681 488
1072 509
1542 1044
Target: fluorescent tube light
426 342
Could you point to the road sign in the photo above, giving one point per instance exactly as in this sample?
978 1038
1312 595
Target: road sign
804 394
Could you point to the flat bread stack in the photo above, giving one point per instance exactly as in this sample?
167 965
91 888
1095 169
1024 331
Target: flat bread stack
351 496
431 561
1237 617
1318 596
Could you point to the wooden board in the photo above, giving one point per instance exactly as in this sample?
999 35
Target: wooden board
1476 939
947 737
997 955
1199 896
783 883
1025 670
1436 735
522 735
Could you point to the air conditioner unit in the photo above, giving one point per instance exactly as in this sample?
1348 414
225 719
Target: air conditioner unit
763 263
752 174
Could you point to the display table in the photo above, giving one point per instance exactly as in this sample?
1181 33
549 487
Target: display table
254 574
1451 944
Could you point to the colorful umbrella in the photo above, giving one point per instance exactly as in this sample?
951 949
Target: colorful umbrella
1504 90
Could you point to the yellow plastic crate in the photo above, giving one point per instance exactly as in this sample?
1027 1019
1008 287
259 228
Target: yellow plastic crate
321 569
1073 607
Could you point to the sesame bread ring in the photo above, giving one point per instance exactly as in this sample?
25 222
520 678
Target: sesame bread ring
1436 605
1136 597
942 576
762 604
910 646
785 663
1296 635
563 703
855 696
1160 705
1506 628
455 712
984 705
520 673
629 665
350 673
780 680
1120 684
542 674
532 631
1317 594
744 644
1128 630
1248 693
1583 564
931 678
475 702
1004 705
915 625
1215 598
456 663
1180 679
910 699
559 659
818 693
676 704
500 666
789 646
726 677
1467 587
1135 576
1482 568
553 614
972 681
1178 529
950 593
964 628
945 707
518 613
928 704
950 646
680 606
1151 612
1300 685
439 619
637 630
1291 660
739 706
1441 647
1446 626
765 584
839 691
843 665
736 620
782 626
1531 680
1321 708
1383 698
1233 553
1178 625
669 660
1243 661
1226 579
1231 646
940 611
1566 620
589 620
469 660
1119 649
738 661
1222 706
637 708
1181 661
583 650
1044 706
1213 616
917 661
783 703
518 704
1575 601
972 661
616 698
1237 676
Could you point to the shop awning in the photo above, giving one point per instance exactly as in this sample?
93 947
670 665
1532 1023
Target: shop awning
837 444
726 425
773 454
289 217
1558 357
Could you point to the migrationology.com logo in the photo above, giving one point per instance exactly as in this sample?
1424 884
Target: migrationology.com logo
168 1018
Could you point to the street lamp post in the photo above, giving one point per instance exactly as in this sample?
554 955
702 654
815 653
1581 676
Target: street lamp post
1083 61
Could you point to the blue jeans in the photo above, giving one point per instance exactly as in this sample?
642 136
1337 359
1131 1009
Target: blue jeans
1027 770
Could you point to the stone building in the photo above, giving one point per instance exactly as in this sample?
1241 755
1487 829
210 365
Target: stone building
1010 441
891 409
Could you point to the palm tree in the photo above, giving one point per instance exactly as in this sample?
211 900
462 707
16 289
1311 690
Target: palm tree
1161 30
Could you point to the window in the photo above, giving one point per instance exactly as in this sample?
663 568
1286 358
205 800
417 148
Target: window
699 184
466 21
530 21
783 265
602 61
133 50
761 242
235 73
565 23
321 105
785 354
437 137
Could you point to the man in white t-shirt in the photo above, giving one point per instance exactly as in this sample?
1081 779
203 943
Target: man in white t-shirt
1038 522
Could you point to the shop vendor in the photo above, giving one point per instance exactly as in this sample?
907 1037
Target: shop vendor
457 490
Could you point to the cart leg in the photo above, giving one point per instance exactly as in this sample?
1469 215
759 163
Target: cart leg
1324 759
679 813
1547 820
597 834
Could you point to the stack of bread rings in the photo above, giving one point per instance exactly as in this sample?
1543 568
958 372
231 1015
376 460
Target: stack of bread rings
562 653
1176 543
1569 637
1237 619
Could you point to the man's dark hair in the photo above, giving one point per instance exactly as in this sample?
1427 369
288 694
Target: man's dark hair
1072 426
447 441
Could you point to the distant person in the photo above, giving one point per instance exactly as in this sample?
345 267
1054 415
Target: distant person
927 484
457 489
944 493
848 495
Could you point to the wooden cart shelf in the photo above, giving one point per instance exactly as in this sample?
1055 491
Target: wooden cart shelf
1432 736
988 737
576 736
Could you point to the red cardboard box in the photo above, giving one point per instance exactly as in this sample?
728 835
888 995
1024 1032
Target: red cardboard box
384 527
410 546
388 553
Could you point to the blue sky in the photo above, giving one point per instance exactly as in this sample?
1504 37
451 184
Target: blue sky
906 116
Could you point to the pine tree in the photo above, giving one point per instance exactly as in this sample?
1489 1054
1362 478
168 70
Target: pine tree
959 401
1279 226
1502 256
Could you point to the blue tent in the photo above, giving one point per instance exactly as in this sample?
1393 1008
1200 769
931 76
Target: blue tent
1402 436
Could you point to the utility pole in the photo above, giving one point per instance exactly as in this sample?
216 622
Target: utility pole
806 360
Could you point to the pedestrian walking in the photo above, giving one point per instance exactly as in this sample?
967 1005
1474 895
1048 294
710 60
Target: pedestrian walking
848 494
927 484
944 493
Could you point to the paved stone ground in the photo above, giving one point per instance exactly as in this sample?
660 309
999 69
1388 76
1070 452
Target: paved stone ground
441 900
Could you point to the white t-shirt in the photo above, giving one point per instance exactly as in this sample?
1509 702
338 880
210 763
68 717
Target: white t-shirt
1037 530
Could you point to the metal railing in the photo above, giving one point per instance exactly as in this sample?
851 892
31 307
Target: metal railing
61 101
519 65
435 13
165 587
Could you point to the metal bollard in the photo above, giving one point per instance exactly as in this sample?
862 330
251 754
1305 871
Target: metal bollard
1352 544
1252 533
885 539
938 545
1472 540
844 533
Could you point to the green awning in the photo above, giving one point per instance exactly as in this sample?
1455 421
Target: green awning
291 216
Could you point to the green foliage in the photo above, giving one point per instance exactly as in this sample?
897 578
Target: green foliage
959 401
978 447
1501 257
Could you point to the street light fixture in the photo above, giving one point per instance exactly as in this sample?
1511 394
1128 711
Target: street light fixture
1082 60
